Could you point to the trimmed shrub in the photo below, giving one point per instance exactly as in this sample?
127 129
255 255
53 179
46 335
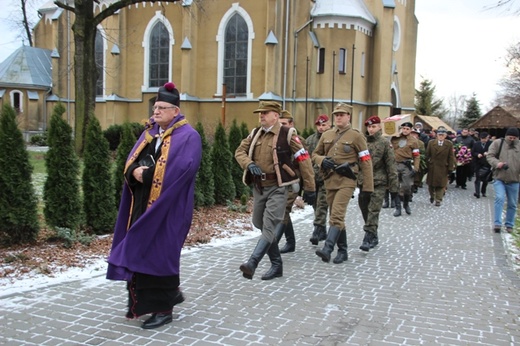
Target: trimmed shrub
18 202
61 192
98 188
204 183
222 160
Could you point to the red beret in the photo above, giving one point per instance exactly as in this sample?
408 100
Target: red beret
321 119
374 119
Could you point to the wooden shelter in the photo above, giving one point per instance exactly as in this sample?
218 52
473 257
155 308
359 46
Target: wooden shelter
431 123
496 122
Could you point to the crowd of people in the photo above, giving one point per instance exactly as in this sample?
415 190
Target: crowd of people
325 169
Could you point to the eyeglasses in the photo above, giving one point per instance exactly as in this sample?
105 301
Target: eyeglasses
160 108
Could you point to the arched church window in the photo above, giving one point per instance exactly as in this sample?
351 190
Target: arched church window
99 52
159 56
236 55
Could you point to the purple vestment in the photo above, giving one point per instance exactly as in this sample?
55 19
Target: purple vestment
152 245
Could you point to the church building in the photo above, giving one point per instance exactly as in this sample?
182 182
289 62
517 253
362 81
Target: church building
224 56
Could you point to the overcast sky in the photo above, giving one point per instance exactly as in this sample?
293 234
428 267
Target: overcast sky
461 45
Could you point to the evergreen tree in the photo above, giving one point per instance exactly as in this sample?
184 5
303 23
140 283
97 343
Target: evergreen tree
244 130
235 138
61 192
222 160
204 183
98 188
18 202
123 149
472 112
425 101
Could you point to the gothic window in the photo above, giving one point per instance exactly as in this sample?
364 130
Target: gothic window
159 56
99 59
236 55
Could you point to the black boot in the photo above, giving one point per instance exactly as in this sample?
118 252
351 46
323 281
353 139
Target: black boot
386 203
279 232
397 211
315 234
342 255
276 269
365 246
392 199
374 241
290 244
248 268
331 240
406 204
322 235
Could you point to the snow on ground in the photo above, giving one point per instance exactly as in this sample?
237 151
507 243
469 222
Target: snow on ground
96 268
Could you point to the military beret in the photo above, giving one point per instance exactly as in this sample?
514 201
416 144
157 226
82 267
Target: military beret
342 108
168 93
374 119
267 106
407 124
321 119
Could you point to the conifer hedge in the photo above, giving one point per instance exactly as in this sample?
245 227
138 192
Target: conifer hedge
222 159
61 192
204 183
98 192
18 202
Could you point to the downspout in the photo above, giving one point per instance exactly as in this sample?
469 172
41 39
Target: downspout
286 48
45 107
294 57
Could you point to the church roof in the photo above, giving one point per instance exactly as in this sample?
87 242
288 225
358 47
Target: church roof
27 67
342 8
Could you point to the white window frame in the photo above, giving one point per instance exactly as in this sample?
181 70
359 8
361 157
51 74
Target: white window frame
235 8
146 45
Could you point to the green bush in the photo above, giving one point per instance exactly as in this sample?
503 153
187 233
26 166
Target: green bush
18 201
39 140
114 133
61 192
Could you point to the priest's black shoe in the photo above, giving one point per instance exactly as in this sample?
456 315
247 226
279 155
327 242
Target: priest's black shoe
157 320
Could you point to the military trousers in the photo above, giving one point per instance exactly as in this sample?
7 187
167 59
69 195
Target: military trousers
291 197
371 210
338 203
266 209
405 174
321 207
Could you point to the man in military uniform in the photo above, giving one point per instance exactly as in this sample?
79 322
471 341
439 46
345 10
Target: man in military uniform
286 226
267 157
385 176
321 208
341 153
407 155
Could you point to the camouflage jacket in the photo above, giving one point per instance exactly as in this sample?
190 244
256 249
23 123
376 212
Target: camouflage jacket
383 162
312 143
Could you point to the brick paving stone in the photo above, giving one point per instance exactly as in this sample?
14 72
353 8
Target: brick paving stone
439 276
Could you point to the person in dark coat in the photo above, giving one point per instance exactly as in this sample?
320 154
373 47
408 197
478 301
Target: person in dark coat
156 211
441 161
482 167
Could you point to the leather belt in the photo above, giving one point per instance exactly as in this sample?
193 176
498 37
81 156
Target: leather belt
269 176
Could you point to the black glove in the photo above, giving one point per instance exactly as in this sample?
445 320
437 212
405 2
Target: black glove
328 163
309 197
254 169
413 173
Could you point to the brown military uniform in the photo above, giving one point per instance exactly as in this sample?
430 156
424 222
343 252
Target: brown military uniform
350 147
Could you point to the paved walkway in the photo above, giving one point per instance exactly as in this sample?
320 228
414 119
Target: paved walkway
439 276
